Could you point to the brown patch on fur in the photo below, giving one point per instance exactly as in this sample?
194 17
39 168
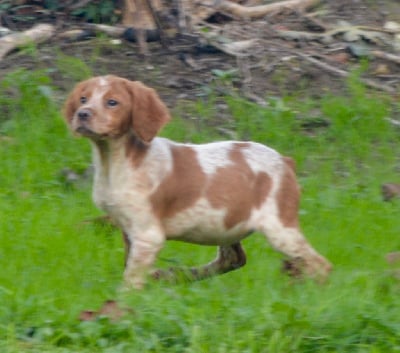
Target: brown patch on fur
237 188
183 187
136 150
288 196
149 113
290 162
121 114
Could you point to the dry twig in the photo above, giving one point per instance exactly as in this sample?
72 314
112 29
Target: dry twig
81 3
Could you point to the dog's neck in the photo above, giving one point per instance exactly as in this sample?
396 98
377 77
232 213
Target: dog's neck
109 153
116 162
105 153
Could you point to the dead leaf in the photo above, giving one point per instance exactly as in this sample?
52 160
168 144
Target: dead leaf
381 69
113 311
109 309
393 258
341 58
390 191
87 315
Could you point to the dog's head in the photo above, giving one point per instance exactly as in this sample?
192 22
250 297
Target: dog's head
107 107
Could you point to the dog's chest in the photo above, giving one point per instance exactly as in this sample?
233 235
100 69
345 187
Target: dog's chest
113 189
103 194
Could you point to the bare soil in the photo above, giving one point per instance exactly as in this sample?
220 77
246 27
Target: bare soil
184 68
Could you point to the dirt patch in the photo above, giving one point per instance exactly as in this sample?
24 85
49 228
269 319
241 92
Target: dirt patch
185 69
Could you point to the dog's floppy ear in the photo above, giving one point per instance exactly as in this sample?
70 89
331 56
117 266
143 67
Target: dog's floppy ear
72 102
149 113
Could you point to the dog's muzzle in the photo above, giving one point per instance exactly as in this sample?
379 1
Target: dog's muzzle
84 115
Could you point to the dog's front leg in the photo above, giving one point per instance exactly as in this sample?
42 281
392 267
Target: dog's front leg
142 250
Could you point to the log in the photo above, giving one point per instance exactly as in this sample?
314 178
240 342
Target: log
37 34
255 12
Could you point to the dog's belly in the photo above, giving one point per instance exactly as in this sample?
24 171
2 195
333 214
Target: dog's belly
204 225
209 237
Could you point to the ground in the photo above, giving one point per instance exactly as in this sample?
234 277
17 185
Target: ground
184 70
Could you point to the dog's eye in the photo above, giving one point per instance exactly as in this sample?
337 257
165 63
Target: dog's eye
112 103
83 100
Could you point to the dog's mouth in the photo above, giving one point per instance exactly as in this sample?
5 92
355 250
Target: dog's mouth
85 131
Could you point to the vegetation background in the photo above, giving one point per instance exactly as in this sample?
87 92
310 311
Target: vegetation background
56 262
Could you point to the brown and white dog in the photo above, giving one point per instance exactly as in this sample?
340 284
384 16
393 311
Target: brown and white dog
156 189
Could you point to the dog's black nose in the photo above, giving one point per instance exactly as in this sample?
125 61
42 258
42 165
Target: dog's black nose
84 114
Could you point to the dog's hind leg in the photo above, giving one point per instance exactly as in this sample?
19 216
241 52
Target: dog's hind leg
279 221
229 258
304 259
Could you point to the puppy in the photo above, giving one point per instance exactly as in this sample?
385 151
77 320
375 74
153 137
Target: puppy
157 190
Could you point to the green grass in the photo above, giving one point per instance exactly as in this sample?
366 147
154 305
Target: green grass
53 264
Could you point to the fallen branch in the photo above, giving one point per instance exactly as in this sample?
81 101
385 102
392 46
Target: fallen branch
241 48
254 12
387 56
349 33
37 34
90 29
303 36
345 74
112 31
